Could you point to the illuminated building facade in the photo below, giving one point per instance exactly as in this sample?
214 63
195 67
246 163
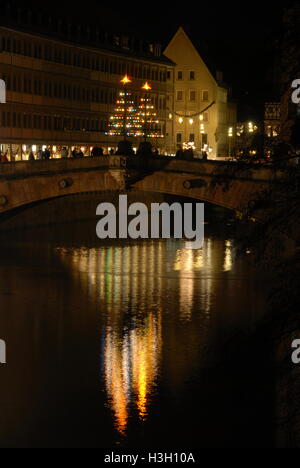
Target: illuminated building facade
272 119
62 94
202 112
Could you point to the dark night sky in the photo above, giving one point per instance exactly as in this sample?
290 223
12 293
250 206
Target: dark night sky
238 37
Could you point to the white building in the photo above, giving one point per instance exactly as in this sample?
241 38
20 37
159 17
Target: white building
199 110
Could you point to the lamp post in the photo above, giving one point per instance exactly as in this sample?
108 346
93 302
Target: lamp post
125 82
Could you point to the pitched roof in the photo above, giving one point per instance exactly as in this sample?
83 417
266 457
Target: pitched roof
202 51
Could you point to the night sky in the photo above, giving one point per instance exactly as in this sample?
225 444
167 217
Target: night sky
238 38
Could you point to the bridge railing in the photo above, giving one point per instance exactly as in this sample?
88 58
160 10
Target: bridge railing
152 164
28 168
212 168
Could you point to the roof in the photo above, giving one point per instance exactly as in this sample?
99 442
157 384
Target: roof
203 52
136 50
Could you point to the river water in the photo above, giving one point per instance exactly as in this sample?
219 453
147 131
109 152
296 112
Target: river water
126 344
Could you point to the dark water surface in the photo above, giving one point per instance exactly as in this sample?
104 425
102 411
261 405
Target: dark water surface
122 344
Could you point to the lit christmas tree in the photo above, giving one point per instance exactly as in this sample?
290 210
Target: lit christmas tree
125 121
147 116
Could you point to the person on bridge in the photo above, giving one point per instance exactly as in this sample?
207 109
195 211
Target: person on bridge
46 154
95 151
180 153
4 158
204 156
64 152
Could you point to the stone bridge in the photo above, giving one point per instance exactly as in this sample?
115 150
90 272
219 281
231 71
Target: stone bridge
220 183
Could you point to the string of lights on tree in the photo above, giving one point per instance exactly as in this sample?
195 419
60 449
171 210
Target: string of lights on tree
125 115
132 118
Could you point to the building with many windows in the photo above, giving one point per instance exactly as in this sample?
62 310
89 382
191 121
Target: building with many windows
63 94
60 93
202 112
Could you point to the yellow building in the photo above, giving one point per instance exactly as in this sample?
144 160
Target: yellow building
200 112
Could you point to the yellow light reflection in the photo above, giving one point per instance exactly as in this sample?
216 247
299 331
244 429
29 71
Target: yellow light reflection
228 261
129 284
126 278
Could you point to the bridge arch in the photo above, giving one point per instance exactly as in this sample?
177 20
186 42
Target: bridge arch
22 184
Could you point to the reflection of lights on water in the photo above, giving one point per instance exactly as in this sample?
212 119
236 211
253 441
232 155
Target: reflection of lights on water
228 256
131 368
184 260
128 285
131 355
189 260
187 263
